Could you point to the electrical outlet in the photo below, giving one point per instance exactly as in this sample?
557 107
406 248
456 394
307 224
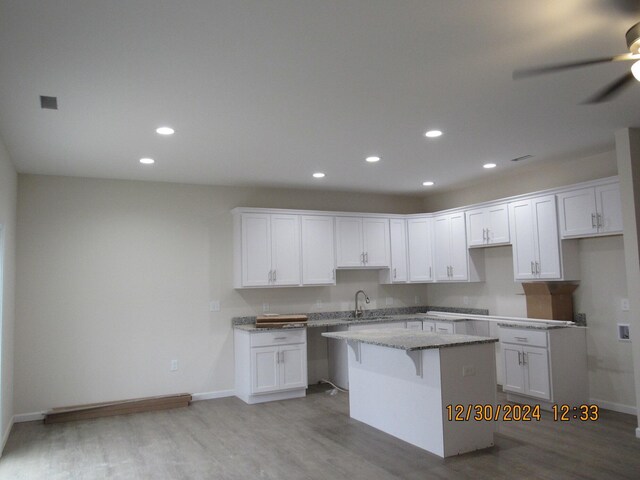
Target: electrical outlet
174 365
214 306
389 301
623 332
624 304
265 307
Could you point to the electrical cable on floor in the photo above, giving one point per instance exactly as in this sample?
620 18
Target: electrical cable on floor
335 389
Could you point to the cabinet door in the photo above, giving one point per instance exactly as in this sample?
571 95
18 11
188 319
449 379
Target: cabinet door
398 236
256 250
264 369
513 371
420 251
318 254
498 221
349 251
285 249
428 326
441 254
458 248
577 210
536 368
610 208
547 242
376 241
476 227
521 227
293 366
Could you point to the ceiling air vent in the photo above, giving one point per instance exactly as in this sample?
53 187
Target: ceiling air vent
50 103
524 157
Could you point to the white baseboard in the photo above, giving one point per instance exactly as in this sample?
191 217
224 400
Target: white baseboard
616 407
196 397
28 417
7 431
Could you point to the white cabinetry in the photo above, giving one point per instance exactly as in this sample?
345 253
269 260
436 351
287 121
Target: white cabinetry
270 365
269 250
419 235
362 242
488 226
453 262
546 366
398 236
537 251
318 253
590 211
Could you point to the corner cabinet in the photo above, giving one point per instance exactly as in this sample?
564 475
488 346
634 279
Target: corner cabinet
488 226
453 262
269 250
362 242
538 253
398 245
270 365
318 252
591 211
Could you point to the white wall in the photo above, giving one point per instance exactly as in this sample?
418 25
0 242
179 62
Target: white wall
115 279
603 280
8 196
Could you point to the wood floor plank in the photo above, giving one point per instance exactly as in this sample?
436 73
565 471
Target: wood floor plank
308 438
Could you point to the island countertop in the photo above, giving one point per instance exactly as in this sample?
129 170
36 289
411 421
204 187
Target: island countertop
408 340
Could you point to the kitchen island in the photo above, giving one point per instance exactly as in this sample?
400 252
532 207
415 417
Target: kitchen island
402 382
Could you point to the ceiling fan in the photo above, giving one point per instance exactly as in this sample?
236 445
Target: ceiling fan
615 87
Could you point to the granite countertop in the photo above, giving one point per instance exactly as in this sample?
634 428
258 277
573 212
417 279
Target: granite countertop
334 322
535 326
409 340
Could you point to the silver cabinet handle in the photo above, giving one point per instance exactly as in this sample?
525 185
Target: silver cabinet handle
524 358
484 234
522 339
430 276
281 354
532 269
599 221
277 357
280 338
394 273
333 273
593 220
274 275
519 360
488 240
538 268
362 257
270 275
366 257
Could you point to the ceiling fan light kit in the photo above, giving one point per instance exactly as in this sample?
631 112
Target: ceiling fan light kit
633 39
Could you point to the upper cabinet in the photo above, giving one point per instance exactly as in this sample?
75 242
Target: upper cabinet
420 245
451 256
269 250
590 211
318 252
362 242
398 243
488 226
537 251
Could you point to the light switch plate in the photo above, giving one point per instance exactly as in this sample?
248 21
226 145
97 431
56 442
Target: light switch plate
214 306
624 304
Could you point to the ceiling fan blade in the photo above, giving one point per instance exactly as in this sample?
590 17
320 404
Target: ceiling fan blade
532 72
613 89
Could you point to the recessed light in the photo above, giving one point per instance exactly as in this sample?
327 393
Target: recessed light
318 175
433 133
165 130
373 159
489 165
147 161
427 184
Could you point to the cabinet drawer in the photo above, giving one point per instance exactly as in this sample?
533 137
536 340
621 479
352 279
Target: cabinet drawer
279 337
442 327
536 338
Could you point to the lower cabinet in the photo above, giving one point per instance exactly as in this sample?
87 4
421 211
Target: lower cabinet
270 365
544 366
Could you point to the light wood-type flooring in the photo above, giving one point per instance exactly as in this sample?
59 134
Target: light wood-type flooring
308 438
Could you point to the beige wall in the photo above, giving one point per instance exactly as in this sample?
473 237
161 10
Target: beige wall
8 196
602 265
115 279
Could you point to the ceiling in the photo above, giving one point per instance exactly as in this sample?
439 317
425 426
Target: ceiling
266 93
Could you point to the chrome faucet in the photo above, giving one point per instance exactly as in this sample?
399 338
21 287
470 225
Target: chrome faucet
358 311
